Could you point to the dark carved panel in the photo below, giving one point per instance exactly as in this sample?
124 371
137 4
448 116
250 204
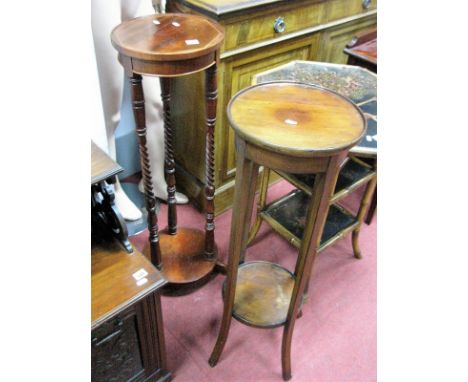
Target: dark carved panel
115 351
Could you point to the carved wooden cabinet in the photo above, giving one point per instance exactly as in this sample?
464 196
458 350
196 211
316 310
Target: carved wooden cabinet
259 35
127 337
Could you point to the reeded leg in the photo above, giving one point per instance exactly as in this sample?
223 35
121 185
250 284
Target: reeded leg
360 216
246 175
316 216
211 95
169 162
138 105
261 204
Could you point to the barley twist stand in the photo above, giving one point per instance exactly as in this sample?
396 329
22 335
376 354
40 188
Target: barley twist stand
171 45
295 128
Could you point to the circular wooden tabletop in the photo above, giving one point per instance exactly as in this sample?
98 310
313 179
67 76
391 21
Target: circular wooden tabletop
167 37
295 118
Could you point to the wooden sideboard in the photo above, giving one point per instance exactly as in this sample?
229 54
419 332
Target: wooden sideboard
260 35
127 337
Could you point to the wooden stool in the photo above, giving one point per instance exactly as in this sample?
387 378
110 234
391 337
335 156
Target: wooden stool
171 45
296 128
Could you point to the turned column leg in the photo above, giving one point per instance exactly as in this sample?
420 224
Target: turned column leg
316 217
211 96
246 174
138 105
169 162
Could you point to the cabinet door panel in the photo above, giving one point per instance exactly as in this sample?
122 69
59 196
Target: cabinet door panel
239 74
115 351
334 40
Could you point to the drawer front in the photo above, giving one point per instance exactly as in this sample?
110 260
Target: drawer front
269 24
337 9
115 351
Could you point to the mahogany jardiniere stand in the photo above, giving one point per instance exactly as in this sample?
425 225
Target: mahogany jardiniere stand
289 127
171 45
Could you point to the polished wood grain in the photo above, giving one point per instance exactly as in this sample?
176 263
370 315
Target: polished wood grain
362 50
295 118
263 294
184 258
264 142
260 26
167 37
102 165
113 288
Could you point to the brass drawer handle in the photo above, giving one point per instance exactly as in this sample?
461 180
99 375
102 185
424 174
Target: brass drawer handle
279 26
366 3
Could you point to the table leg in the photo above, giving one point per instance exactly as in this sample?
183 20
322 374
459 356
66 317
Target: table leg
246 174
169 162
138 105
316 216
211 96
370 190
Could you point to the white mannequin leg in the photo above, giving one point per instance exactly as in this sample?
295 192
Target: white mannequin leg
105 15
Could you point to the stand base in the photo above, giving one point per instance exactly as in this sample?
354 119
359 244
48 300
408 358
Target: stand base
263 294
183 256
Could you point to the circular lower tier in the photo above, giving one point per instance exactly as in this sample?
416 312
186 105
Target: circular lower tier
263 294
183 256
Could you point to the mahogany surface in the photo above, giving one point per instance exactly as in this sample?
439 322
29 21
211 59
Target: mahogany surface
263 294
167 37
170 45
366 51
183 255
362 50
295 118
112 286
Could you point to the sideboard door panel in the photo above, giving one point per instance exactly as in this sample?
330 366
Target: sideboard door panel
115 351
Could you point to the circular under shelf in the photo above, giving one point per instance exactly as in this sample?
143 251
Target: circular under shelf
263 294
183 256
